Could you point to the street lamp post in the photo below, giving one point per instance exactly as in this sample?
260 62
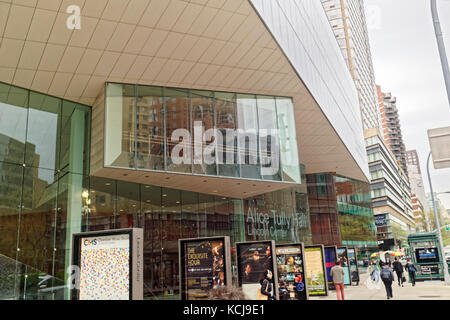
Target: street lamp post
441 46
438 226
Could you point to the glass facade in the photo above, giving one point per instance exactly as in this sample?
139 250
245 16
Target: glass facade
44 157
341 211
47 194
201 132
356 218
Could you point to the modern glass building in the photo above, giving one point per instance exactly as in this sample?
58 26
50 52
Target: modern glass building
183 119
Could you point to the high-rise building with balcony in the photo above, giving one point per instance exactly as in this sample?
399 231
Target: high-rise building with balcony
348 20
418 196
391 130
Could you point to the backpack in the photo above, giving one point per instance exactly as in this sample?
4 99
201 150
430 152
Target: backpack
386 274
411 268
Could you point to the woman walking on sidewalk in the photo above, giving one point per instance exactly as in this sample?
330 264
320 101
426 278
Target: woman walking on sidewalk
387 275
337 273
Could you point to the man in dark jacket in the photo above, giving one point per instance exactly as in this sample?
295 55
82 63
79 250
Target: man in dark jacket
398 268
412 271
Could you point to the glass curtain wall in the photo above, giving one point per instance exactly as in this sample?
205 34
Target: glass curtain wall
356 219
44 152
201 132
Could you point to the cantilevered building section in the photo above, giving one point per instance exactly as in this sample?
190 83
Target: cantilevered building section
392 132
348 20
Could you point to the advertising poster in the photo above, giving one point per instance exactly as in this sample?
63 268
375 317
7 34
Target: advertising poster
353 264
256 260
105 268
343 257
315 271
330 262
291 272
203 266
427 255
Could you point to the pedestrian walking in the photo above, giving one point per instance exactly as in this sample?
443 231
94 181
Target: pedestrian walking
411 271
387 276
398 268
337 273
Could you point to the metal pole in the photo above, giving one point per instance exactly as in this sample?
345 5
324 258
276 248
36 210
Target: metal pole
441 46
438 226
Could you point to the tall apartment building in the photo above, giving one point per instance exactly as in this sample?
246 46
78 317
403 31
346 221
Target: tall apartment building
391 130
391 194
418 196
348 20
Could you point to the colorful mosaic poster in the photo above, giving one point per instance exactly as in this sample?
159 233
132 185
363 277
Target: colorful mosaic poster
105 268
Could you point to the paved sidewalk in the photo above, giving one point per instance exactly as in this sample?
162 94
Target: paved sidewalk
430 290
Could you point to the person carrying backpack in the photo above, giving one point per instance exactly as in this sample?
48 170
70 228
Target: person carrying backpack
411 268
398 267
387 276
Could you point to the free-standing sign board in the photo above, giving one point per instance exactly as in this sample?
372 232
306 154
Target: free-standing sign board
291 271
330 262
316 271
253 259
205 263
353 264
110 265
343 256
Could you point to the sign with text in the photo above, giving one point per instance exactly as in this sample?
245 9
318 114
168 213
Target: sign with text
426 255
291 272
330 262
110 265
257 271
380 220
315 271
205 264
343 257
353 264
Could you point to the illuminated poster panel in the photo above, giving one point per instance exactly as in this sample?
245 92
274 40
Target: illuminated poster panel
109 265
330 262
343 256
291 272
316 272
353 264
253 260
205 263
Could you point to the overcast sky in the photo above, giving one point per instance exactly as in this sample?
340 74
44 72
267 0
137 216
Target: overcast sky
406 62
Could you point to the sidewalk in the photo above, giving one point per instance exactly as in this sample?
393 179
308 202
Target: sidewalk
422 291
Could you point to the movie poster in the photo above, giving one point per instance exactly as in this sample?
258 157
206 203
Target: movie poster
255 264
353 264
343 257
315 271
203 266
330 262
105 268
291 272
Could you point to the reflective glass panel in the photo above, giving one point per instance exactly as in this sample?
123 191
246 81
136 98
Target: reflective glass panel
13 122
226 135
202 104
150 128
43 131
269 138
247 123
288 140
178 128
120 126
